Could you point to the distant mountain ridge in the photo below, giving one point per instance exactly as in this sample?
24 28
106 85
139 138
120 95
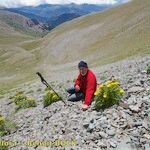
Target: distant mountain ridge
53 15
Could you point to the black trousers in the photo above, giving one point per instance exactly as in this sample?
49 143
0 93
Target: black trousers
75 96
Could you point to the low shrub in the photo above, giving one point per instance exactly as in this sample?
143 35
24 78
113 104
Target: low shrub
6 126
22 101
108 94
26 103
50 97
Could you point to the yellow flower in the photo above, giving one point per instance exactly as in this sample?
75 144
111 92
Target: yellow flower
101 85
99 88
96 93
117 83
121 91
29 99
105 95
109 82
113 84
109 85
55 97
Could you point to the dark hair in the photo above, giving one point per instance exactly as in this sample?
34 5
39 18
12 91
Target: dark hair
82 64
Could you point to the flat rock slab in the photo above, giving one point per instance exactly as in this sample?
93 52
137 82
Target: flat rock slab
136 89
134 108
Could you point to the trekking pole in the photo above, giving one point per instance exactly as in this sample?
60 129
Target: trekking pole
48 86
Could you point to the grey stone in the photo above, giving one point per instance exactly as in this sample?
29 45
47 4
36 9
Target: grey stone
110 132
125 146
134 139
99 114
103 119
123 114
143 140
143 71
136 89
115 115
104 126
86 124
147 136
92 121
135 133
147 146
136 124
138 83
103 135
113 144
102 144
146 123
134 108
90 127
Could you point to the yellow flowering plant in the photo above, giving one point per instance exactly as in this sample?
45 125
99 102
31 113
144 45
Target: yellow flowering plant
6 126
26 103
50 97
108 94
18 97
22 101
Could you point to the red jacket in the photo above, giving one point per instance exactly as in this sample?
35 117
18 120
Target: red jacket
87 85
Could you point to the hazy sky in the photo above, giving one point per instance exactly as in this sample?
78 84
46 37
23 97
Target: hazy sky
14 3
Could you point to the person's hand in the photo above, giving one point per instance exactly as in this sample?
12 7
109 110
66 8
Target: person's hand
85 107
77 88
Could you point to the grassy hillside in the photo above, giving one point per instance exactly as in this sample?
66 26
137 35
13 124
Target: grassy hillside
99 38
15 61
102 38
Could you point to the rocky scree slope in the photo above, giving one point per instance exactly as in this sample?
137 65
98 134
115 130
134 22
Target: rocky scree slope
126 126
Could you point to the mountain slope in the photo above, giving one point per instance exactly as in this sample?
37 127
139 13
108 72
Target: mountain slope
63 18
116 128
16 63
102 37
99 38
22 23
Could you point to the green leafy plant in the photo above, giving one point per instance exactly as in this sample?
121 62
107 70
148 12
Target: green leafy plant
18 97
6 126
26 103
22 101
50 97
108 94
148 69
